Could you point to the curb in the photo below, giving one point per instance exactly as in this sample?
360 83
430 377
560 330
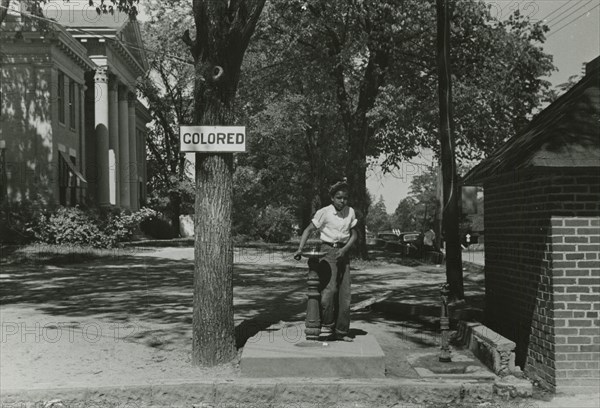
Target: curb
284 391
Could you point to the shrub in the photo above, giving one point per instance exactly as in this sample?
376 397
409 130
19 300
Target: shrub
70 225
17 219
275 224
122 225
102 228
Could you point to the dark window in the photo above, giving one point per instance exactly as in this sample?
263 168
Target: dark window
67 181
3 185
73 183
60 97
71 104
63 180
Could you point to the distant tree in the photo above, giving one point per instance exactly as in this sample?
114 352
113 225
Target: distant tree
378 218
406 215
168 88
423 190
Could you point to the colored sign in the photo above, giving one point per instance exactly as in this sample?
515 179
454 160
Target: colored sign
212 139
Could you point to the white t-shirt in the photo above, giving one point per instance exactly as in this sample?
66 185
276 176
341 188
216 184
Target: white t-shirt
334 225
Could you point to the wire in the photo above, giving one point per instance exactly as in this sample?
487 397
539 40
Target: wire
572 6
96 35
572 21
552 12
574 11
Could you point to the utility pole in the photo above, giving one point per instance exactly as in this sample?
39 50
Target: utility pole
450 211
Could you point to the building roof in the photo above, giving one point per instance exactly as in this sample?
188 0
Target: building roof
83 22
565 134
57 35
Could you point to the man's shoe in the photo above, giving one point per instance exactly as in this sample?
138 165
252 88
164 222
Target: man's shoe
339 337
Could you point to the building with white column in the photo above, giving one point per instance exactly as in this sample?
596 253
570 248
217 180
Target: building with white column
72 130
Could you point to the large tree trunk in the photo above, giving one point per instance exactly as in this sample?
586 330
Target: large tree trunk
213 324
223 30
356 171
450 215
213 337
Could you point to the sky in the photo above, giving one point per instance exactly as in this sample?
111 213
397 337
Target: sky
573 40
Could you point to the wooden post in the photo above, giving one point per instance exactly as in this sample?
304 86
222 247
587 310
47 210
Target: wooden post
450 214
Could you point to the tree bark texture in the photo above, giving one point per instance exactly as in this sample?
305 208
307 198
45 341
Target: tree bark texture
223 30
450 211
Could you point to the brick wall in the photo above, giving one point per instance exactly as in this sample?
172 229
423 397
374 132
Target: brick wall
532 281
576 283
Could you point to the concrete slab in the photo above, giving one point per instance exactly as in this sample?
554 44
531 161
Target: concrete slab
283 352
464 365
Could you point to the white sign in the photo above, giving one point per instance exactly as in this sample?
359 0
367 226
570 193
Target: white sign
213 139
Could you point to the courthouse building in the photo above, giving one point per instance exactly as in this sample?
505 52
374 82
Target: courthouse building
72 130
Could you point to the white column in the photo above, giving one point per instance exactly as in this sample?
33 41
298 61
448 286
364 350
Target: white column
101 134
113 133
133 154
124 148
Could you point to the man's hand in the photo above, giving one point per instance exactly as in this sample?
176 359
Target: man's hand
340 253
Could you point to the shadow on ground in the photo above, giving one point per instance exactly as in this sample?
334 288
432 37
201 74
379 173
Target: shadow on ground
158 291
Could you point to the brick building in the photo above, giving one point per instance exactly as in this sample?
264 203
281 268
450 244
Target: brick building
72 129
542 240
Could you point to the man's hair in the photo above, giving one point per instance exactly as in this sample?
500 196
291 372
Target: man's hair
339 186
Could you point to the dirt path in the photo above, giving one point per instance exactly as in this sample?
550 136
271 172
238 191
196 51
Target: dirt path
126 319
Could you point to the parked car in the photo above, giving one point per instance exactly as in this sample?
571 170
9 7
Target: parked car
411 243
371 239
388 240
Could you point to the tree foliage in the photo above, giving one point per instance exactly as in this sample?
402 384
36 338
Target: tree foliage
374 61
418 211
378 219
168 88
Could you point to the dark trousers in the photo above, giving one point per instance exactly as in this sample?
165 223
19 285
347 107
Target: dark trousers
334 286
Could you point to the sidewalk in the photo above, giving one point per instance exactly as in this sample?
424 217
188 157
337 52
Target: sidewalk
117 331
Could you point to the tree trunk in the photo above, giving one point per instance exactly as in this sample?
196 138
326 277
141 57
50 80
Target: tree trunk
213 324
175 207
356 171
450 216
223 30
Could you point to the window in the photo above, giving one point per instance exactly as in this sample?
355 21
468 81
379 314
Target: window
60 97
63 180
3 184
71 183
72 104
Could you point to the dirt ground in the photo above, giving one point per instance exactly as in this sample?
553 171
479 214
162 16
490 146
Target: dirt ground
125 319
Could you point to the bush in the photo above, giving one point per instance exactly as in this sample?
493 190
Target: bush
17 219
102 228
70 225
122 225
275 224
